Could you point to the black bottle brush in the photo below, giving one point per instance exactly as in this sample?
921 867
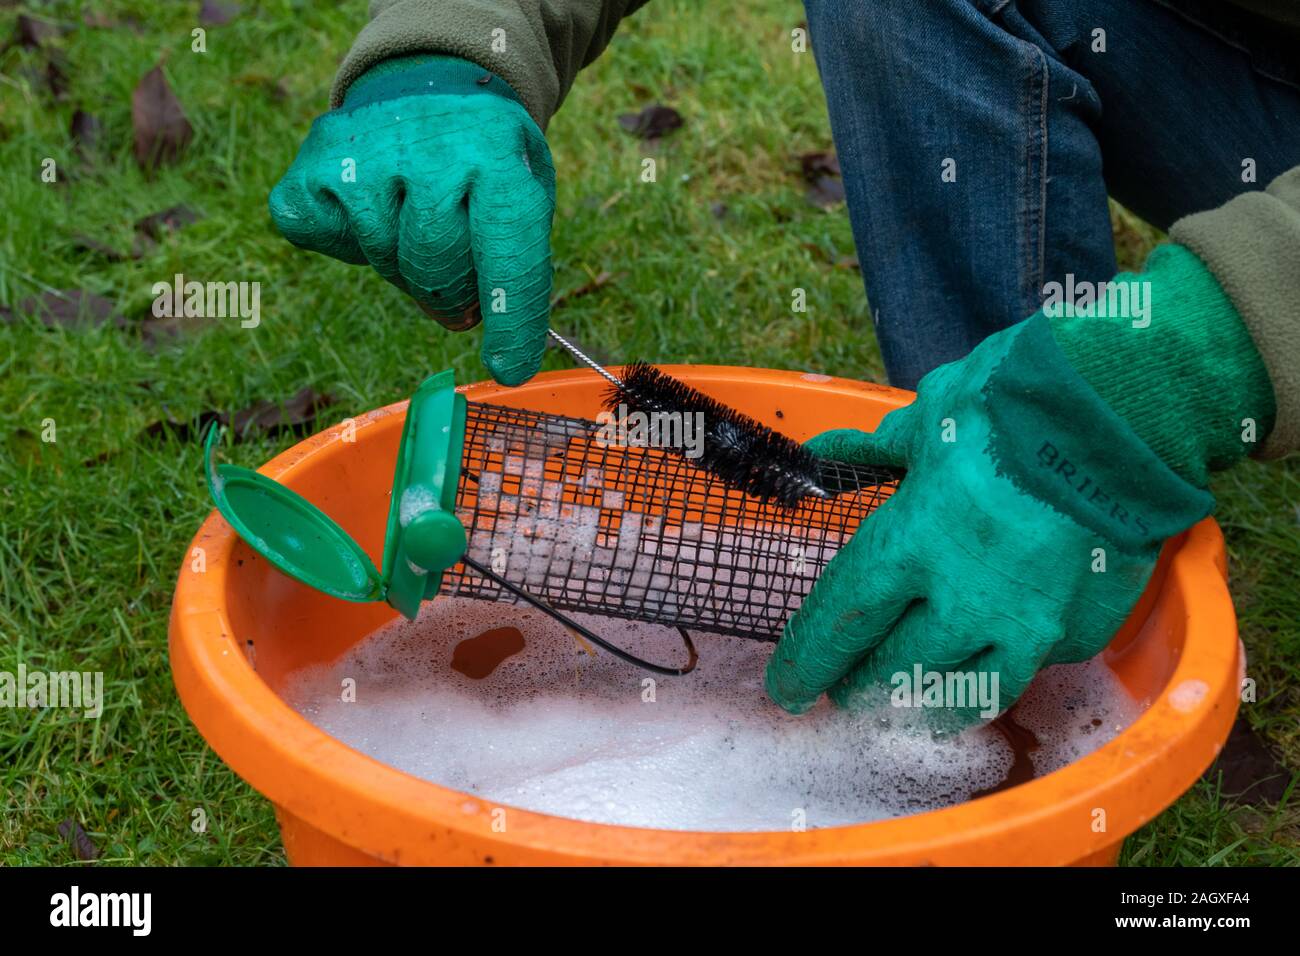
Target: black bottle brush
739 450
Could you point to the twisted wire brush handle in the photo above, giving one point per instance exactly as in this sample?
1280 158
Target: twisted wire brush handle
584 358
795 469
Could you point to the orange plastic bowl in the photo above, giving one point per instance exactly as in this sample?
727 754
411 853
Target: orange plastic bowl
238 627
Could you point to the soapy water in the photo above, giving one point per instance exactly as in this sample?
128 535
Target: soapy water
554 729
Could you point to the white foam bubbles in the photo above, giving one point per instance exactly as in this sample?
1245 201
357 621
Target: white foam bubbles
555 730
416 500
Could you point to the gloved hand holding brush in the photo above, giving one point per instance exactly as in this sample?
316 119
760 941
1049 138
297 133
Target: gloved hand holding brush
1044 471
433 172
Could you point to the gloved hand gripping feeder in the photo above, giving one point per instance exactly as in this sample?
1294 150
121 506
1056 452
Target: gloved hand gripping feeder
500 503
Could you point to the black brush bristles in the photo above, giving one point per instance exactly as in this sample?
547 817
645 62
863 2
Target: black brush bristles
739 450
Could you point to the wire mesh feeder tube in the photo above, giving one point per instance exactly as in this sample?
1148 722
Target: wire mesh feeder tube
638 532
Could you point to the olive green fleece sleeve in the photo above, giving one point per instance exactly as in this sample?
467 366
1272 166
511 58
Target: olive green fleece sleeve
537 46
1252 245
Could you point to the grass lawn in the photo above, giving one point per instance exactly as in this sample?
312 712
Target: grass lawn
93 527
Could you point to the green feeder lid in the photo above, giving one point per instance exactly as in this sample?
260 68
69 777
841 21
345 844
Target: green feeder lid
424 538
289 531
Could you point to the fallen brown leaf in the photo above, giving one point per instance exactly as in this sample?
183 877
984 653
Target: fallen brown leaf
82 845
270 417
161 130
831 257
1251 774
297 415
821 170
816 165
215 13
56 74
149 231
652 122
101 249
85 130
67 308
31 32
159 224
826 192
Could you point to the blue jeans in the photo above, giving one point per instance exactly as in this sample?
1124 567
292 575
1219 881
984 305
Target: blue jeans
979 139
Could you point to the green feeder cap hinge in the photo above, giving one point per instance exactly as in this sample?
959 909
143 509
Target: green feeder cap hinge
423 539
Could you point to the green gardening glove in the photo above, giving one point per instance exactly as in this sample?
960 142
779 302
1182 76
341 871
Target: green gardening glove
433 172
1031 514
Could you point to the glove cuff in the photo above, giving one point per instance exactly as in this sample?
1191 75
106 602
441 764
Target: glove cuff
1056 439
423 73
1178 365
